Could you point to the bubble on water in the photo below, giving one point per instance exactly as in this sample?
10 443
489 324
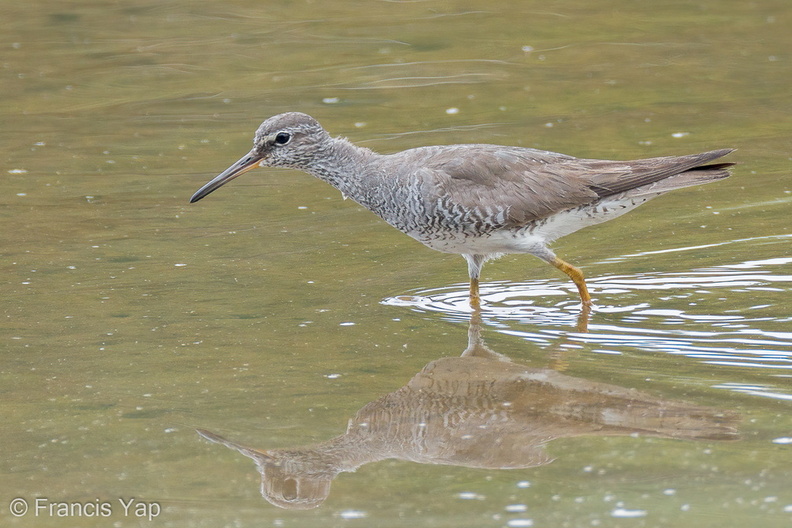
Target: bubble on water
470 495
624 513
353 514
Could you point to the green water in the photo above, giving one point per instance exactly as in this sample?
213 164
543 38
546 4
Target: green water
273 311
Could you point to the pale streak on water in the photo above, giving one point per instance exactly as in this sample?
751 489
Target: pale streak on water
756 239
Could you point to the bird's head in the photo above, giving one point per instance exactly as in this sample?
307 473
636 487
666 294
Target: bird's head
285 140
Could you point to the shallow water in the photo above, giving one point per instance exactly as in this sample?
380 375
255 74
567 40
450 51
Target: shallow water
274 314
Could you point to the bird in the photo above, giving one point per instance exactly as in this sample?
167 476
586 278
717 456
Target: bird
481 201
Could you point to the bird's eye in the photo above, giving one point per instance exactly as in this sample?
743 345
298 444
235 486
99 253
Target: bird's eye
282 138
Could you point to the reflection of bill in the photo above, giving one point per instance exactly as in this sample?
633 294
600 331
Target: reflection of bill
479 410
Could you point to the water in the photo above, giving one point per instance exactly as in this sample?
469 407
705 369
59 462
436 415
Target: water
272 313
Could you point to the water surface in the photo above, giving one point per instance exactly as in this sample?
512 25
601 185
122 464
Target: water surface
273 312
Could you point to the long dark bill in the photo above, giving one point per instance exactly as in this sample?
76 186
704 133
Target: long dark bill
247 162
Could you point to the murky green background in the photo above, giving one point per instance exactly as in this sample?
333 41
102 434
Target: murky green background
273 311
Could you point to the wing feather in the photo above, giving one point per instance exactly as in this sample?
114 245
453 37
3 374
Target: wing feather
525 185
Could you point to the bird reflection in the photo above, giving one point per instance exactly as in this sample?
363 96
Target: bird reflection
479 410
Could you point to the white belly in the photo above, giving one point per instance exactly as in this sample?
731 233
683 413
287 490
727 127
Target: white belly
497 242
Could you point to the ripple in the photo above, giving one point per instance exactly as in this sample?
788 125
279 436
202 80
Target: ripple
500 301
756 390
733 316
520 300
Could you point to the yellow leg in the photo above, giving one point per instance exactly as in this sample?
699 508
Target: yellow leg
577 277
475 299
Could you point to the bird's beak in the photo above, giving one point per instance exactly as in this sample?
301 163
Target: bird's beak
249 161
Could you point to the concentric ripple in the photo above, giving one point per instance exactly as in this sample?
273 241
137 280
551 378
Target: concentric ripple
729 316
524 301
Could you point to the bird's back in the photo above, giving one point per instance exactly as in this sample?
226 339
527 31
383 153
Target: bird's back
481 188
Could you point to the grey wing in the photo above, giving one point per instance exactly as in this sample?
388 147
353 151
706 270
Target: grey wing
524 185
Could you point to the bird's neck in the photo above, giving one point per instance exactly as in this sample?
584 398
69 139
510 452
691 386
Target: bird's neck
342 165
